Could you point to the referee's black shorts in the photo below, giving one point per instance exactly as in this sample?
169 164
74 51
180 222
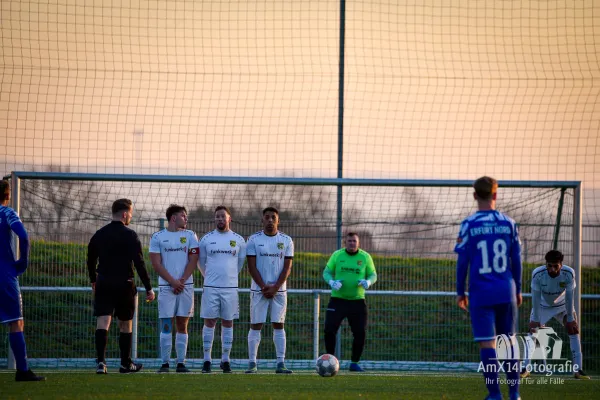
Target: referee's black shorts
115 298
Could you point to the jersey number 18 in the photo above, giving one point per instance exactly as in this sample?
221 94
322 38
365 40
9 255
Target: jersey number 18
499 262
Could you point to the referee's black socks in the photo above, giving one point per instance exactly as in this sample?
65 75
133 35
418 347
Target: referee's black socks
101 340
125 346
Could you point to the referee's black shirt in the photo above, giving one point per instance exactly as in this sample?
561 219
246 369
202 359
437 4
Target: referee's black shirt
115 248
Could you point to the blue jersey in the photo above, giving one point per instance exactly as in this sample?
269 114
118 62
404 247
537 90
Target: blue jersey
9 223
488 246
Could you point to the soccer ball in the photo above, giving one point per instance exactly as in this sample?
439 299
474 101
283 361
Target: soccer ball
327 365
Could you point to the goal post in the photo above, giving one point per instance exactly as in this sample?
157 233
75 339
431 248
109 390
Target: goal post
409 226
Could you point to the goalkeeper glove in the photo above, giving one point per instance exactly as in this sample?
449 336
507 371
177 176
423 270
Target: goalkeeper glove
335 285
364 283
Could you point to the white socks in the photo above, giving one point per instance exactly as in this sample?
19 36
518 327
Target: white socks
253 343
576 350
166 344
226 342
279 340
208 335
181 342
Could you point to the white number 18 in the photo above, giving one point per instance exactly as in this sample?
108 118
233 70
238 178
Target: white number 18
499 262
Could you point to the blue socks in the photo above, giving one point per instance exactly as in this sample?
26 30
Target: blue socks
490 370
512 375
17 344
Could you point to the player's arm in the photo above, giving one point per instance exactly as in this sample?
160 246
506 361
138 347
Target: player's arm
140 265
17 227
285 273
254 271
191 265
329 273
462 265
251 257
571 324
156 260
516 264
371 274
202 257
92 261
241 256
536 304
192 259
288 257
176 284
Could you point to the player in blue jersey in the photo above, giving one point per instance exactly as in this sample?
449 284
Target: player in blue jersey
11 307
489 250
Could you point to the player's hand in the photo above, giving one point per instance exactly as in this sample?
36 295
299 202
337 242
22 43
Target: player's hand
177 286
519 299
269 291
364 283
335 285
572 328
93 287
462 302
150 296
534 326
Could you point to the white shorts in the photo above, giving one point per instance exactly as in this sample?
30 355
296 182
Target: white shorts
175 305
260 304
220 303
547 313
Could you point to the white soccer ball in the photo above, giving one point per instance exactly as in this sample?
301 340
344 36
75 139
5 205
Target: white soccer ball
327 365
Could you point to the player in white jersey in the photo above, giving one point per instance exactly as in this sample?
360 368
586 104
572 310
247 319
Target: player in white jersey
222 255
270 255
174 256
552 293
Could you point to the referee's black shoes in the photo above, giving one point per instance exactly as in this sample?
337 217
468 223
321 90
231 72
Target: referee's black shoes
131 368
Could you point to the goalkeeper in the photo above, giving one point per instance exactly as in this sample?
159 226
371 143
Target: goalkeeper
349 272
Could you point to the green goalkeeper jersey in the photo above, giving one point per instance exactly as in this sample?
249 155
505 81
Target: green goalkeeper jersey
350 269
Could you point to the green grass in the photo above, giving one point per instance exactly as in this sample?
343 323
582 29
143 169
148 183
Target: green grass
269 386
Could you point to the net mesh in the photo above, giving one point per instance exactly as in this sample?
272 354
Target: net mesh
410 231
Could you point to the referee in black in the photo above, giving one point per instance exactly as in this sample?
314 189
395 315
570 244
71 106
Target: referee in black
112 253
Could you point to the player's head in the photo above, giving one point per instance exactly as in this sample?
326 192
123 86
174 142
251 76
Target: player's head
270 219
4 192
222 218
177 216
352 242
485 189
554 260
122 210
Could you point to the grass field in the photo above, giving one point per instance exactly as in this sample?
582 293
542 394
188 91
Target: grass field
303 385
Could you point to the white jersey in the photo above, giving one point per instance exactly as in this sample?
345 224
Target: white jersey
222 257
174 249
552 289
270 252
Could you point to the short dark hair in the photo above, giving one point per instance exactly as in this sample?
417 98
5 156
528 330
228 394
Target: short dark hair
351 234
4 189
219 208
485 187
272 209
554 256
174 209
121 205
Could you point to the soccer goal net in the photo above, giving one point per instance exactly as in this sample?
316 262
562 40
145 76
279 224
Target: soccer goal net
409 227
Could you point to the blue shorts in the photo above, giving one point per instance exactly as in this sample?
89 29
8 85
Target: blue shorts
11 304
493 320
